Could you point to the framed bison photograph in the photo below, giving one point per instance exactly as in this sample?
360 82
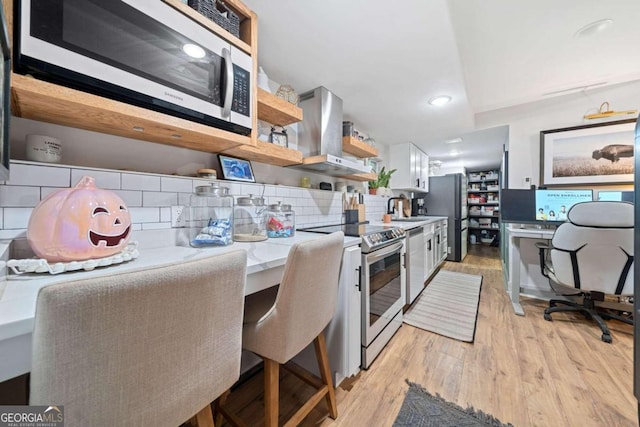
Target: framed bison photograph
588 155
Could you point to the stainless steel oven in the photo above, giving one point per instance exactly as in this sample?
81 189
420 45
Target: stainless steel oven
383 281
382 284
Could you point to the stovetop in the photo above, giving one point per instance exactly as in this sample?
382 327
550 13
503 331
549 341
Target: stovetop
373 236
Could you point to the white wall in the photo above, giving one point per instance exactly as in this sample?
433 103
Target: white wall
526 121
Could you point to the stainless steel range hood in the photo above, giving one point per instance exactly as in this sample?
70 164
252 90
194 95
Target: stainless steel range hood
320 135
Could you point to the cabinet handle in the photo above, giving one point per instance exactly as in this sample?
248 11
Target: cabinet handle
438 239
228 95
429 245
418 182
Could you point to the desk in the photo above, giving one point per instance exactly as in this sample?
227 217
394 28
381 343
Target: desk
18 294
513 283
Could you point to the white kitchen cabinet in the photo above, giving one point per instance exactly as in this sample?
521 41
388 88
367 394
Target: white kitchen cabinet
429 257
412 168
343 332
444 241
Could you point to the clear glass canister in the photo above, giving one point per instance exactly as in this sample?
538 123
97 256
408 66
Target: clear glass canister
281 221
249 219
210 219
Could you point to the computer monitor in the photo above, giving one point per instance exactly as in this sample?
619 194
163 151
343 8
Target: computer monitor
553 205
615 196
517 206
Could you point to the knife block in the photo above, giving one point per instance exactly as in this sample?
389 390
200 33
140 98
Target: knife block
362 213
351 216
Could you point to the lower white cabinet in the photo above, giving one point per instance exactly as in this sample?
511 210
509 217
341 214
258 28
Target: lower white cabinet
343 334
436 246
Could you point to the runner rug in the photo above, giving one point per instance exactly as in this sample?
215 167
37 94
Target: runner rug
422 409
448 306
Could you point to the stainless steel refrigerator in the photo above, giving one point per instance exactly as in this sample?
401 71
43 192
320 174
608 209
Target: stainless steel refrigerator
636 273
447 196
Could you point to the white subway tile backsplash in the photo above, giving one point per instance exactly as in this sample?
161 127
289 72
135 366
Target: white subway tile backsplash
45 191
165 214
16 218
131 198
24 174
104 179
149 196
156 225
140 215
135 181
16 196
135 227
176 185
156 198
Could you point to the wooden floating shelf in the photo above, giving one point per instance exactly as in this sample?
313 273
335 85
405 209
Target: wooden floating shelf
362 177
266 152
358 148
47 102
210 25
276 110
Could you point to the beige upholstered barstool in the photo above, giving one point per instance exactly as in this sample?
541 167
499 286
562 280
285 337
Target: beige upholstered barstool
147 348
305 303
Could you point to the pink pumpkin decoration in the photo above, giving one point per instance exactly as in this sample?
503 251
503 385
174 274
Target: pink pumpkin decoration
79 223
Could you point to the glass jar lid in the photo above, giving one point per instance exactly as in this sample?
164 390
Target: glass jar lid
250 201
212 189
280 207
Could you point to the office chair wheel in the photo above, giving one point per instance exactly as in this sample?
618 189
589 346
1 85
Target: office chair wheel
547 317
606 338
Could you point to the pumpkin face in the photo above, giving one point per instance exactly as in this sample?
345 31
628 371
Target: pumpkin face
79 223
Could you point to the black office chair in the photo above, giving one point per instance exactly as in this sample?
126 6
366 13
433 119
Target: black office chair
591 257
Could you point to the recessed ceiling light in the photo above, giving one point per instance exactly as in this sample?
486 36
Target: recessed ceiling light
454 153
440 100
594 28
193 50
454 141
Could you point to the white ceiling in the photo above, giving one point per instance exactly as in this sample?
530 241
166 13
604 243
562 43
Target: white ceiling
386 59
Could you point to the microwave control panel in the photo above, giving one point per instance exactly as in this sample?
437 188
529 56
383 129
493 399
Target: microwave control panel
241 91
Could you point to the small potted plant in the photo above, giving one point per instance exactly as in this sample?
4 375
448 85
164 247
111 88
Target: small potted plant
382 181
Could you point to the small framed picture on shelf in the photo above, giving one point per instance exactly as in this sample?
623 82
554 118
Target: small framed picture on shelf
279 138
234 169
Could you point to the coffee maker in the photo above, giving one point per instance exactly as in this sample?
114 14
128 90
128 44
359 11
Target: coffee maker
418 207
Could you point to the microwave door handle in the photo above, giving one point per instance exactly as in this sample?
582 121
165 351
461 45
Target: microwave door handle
228 93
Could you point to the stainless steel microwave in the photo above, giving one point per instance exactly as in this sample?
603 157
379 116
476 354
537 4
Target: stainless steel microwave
141 52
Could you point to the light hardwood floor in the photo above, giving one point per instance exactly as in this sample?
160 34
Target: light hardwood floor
522 370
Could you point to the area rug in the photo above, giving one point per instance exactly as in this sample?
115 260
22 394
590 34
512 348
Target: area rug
448 306
421 409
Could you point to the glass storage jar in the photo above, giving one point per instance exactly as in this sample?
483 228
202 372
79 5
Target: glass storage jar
210 219
281 221
249 219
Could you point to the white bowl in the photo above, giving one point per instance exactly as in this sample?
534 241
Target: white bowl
41 148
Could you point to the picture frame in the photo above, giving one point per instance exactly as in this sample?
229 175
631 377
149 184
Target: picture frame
595 154
279 138
234 169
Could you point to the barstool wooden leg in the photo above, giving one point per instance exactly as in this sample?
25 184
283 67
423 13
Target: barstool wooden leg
218 404
325 372
204 418
271 392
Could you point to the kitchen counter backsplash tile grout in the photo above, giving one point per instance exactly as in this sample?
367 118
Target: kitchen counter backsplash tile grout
150 196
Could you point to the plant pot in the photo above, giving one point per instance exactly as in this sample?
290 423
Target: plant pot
373 191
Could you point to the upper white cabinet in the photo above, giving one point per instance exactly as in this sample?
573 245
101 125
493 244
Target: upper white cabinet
412 168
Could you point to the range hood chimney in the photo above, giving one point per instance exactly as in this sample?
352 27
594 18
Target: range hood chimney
320 135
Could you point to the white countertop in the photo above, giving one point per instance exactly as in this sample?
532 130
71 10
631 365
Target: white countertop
408 225
18 294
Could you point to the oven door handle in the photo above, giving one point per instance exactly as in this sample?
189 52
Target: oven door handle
381 253
228 93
